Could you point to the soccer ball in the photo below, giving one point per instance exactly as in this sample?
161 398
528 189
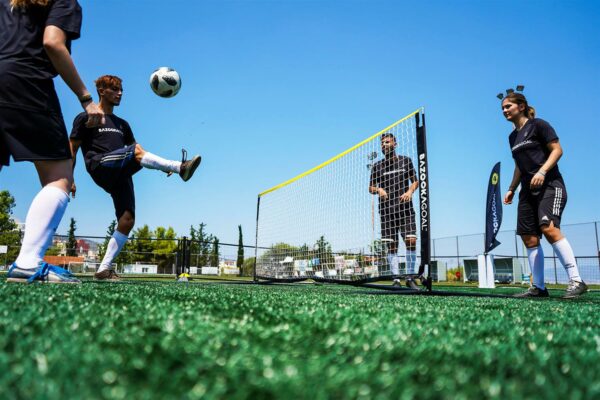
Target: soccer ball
165 82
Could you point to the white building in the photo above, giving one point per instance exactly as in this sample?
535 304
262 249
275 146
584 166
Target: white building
138 268
228 267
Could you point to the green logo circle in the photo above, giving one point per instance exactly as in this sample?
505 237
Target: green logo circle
495 178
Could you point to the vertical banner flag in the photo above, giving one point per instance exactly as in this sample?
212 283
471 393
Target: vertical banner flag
493 213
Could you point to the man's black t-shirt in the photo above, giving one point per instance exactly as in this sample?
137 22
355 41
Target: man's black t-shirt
395 176
25 70
95 142
530 151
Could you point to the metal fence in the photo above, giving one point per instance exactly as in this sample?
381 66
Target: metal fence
138 256
454 252
452 255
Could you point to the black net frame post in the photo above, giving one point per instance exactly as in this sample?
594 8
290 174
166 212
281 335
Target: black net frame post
179 260
424 195
187 254
183 256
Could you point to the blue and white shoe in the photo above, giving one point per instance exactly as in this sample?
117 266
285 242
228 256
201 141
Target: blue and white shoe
45 273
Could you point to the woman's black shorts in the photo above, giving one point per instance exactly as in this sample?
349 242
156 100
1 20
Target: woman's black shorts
542 208
32 136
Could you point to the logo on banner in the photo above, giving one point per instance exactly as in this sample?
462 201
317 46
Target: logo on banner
495 178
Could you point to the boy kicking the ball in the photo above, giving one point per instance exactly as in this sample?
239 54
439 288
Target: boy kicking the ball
112 157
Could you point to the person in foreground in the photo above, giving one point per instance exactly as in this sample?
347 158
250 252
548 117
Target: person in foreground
35 42
394 180
112 157
536 151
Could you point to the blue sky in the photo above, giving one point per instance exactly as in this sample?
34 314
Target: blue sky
273 88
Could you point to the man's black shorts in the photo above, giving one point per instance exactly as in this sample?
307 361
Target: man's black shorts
398 220
113 173
32 136
535 211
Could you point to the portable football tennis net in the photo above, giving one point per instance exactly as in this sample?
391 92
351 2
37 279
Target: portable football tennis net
331 223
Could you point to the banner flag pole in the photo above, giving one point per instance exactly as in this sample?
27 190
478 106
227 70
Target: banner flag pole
493 210
493 221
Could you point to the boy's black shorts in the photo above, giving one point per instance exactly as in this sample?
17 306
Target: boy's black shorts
113 172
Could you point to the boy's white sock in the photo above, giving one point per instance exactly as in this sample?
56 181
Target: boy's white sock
115 244
152 161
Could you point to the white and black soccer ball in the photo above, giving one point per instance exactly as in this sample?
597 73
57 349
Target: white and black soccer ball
165 82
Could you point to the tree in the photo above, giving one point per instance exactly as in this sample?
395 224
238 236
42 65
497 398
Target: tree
7 203
278 252
194 245
9 235
240 255
214 254
200 247
165 247
71 240
141 247
324 252
53 251
248 267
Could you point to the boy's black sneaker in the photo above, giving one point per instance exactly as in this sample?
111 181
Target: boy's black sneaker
188 167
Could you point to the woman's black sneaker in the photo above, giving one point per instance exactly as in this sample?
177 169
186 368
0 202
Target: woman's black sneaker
575 289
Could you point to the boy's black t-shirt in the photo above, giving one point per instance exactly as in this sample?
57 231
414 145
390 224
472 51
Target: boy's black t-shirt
96 142
25 70
530 151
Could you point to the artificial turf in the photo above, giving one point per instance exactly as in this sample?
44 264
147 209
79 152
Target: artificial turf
167 340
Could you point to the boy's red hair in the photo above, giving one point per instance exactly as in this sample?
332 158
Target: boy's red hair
108 81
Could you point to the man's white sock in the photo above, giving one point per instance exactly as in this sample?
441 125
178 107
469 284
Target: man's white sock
411 260
536 262
152 161
44 215
564 251
115 244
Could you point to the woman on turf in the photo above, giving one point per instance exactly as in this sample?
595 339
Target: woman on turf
35 42
536 151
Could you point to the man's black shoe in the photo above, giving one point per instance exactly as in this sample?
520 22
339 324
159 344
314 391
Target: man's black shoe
534 291
411 284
